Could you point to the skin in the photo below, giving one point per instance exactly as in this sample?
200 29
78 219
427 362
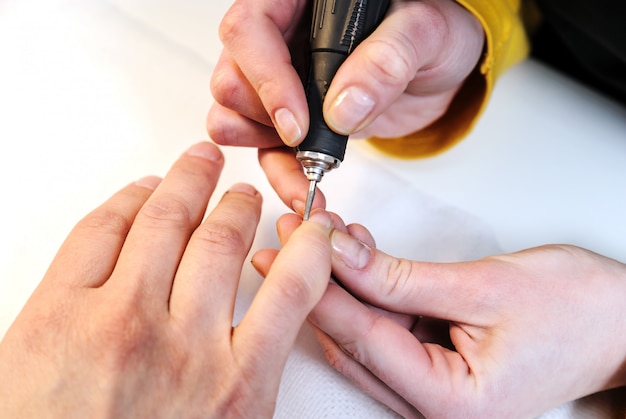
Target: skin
397 81
506 336
134 316
479 335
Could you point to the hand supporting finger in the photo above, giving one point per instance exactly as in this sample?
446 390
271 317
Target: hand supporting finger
388 351
339 359
444 291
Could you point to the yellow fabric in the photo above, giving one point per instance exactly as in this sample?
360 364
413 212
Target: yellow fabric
506 44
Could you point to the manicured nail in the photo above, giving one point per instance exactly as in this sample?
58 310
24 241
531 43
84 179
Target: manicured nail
149 182
354 253
206 151
243 188
287 126
349 110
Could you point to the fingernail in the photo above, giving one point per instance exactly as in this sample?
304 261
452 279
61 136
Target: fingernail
298 206
149 182
243 188
349 109
256 267
321 217
354 253
287 126
206 151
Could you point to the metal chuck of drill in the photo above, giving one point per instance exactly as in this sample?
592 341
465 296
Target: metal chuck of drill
338 26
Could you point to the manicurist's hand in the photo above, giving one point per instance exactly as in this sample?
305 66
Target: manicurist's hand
506 336
134 316
399 80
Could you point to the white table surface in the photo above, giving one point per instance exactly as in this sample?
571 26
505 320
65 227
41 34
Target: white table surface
94 95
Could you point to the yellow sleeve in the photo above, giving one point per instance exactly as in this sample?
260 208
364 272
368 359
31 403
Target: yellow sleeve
505 44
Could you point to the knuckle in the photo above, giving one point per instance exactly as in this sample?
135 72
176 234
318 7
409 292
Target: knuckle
227 88
231 27
341 356
398 279
293 289
387 61
221 130
266 88
221 237
105 221
336 358
165 210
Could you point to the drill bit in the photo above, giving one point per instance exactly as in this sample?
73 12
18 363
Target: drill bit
310 196
315 165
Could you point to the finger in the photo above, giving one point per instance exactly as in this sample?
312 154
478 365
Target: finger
454 291
288 223
419 373
163 226
409 50
362 377
203 294
362 234
262 260
285 226
231 89
228 127
294 284
93 246
285 174
254 34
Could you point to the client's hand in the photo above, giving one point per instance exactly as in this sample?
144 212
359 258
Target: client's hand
506 336
134 316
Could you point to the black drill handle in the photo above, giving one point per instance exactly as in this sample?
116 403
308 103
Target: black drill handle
338 27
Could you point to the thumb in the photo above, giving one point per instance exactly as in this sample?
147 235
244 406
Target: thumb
450 291
424 48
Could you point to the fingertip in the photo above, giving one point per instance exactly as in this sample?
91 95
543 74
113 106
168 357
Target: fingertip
362 234
299 206
353 253
322 218
262 260
285 225
338 222
244 188
205 150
